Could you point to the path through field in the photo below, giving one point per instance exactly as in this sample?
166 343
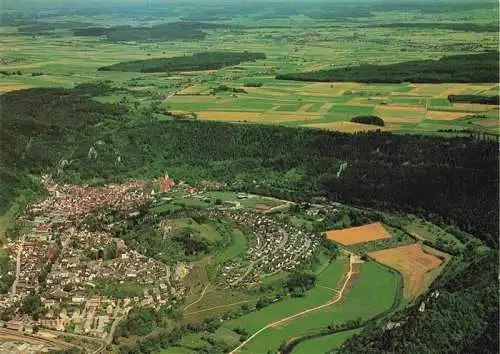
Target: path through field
199 299
352 259
221 306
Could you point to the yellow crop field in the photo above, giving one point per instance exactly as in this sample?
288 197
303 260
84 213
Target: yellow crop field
230 116
441 115
13 87
349 127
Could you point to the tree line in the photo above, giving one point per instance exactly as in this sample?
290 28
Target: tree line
173 31
195 62
469 68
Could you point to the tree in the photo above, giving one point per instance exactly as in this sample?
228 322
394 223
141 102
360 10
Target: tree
32 305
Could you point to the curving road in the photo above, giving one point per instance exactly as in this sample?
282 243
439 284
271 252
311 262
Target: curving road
352 260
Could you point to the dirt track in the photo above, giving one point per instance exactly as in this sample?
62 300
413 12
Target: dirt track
352 260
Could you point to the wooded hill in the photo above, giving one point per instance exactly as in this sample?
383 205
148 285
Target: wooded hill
195 62
470 68
444 180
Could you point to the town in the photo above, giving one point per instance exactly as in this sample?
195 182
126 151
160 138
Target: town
87 279
69 265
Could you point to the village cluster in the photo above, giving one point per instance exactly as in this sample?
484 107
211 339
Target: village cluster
275 247
62 260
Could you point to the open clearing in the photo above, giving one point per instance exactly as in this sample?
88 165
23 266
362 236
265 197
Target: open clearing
358 234
412 262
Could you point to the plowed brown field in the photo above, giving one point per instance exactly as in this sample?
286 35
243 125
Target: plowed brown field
411 262
359 234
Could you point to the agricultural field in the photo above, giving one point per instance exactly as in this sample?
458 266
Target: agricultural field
358 234
63 57
412 262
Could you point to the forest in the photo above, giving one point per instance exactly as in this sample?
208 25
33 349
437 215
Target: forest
495 100
174 31
195 62
468 68
453 26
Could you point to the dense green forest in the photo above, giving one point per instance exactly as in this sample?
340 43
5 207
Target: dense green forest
174 31
454 26
198 61
475 99
52 130
467 68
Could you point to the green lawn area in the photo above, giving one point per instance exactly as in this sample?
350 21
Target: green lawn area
236 249
372 294
251 202
325 343
207 231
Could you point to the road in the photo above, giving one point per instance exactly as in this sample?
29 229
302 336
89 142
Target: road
352 260
18 267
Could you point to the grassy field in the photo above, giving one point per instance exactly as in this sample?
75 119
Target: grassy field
206 230
324 344
236 249
372 293
330 277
